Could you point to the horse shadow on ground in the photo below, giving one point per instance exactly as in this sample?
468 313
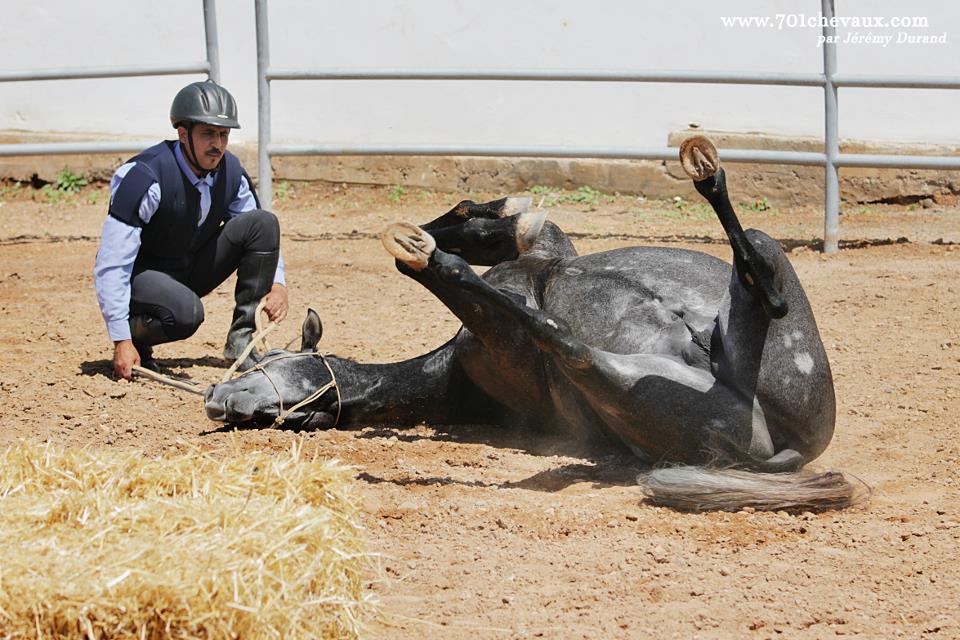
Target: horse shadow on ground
602 464
601 473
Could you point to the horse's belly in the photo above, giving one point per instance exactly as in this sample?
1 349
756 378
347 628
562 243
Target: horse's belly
638 301
620 321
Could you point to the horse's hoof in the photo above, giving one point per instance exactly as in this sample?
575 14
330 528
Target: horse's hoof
699 158
409 244
529 226
515 205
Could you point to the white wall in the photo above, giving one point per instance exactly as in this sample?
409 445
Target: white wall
615 34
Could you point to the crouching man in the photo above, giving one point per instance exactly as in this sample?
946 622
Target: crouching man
183 216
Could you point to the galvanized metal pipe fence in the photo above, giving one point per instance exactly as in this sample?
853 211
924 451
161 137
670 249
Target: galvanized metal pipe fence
210 67
830 159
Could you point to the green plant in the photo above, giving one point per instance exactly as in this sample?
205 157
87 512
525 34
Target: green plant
396 193
69 182
10 189
698 210
425 194
284 191
93 197
544 195
52 194
584 195
701 211
758 205
859 211
672 215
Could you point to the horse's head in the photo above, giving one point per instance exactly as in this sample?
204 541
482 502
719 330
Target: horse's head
290 387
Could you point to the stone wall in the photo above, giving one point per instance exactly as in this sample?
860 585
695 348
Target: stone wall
780 184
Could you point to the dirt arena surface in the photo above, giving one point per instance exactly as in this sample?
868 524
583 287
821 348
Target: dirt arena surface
486 533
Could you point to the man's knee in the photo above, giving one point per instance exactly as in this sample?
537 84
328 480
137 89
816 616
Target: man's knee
256 230
184 320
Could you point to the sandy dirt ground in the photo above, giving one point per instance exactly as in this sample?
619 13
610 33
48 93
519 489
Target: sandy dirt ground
487 533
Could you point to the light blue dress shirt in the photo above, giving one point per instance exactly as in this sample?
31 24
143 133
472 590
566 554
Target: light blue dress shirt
120 243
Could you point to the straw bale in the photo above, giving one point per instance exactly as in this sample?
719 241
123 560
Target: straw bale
103 544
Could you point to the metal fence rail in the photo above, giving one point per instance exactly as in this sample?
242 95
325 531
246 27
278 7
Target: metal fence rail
210 66
830 159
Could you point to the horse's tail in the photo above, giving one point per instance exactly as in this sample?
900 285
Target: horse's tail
707 489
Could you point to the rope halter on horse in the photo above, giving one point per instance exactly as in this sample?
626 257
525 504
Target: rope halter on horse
259 336
316 395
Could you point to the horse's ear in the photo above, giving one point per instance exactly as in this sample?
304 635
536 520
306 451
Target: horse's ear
311 332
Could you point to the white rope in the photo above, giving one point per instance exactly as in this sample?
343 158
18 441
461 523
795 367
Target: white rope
170 381
259 336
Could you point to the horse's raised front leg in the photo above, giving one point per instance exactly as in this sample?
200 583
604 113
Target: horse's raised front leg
470 210
497 353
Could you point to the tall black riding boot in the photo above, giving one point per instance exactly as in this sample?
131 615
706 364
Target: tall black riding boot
254 279
147 331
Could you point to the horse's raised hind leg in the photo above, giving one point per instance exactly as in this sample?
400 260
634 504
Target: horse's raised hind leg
756 271
767 344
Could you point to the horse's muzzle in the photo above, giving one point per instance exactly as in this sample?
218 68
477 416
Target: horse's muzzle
215 410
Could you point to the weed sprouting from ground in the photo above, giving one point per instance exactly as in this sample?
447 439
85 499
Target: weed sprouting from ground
67 185
697 210
284 191
584 196
758 205
70 182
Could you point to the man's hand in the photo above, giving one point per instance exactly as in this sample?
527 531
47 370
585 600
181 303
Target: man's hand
275 303
125 355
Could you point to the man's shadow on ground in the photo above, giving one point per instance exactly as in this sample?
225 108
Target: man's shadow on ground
171 366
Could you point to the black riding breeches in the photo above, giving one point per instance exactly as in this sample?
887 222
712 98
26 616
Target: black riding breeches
173 298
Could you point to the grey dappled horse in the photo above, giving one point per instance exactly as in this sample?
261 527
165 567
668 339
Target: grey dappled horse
679 355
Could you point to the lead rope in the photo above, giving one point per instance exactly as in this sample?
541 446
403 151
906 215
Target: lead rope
259 335
170 381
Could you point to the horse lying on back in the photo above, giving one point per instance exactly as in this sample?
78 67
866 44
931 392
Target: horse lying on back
680 356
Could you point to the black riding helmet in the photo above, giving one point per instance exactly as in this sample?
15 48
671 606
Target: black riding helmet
203 102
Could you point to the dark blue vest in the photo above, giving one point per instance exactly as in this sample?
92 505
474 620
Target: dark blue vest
172 237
